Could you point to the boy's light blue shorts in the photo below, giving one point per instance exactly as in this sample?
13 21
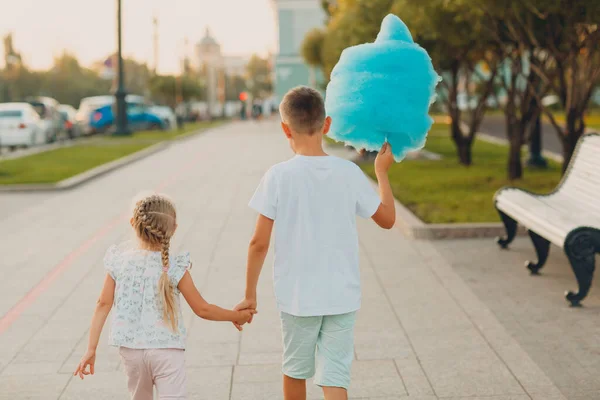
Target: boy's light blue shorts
321 346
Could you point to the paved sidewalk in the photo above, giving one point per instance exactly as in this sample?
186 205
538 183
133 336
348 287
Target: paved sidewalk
563 341
422 332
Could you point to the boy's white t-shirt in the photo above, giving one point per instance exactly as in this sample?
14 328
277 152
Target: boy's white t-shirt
314 202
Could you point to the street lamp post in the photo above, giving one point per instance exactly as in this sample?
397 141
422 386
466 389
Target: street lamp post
536 159
120 93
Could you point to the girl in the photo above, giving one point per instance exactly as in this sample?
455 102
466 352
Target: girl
147 325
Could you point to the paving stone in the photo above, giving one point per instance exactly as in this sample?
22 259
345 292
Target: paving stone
32 386
257 373
102 385
209 383
260 358
414 378
217 354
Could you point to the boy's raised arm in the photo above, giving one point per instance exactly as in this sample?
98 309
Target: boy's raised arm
385 216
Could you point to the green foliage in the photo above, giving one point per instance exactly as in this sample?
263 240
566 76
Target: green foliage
166 89
137 77
258 73
354 22
450 31
235 86
312 47
67 81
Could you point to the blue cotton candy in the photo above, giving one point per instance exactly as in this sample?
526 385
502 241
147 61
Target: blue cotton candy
382 91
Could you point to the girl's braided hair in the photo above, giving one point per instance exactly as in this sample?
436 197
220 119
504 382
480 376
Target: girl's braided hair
154 221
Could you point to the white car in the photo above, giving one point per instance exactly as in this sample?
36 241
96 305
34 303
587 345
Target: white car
20 125
166 114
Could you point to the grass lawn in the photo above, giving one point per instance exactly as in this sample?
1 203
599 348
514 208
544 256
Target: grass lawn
445 192
62 163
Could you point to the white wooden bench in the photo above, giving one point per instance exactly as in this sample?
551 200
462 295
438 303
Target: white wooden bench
569 217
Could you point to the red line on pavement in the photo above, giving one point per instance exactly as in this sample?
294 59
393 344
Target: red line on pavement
15 312
41 287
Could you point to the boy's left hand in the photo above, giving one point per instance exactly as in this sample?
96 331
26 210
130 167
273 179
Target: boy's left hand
89 359
384 159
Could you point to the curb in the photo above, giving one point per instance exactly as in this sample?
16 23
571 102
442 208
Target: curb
413 227
88 175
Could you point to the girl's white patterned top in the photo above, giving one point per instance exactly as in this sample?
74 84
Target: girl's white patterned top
137 321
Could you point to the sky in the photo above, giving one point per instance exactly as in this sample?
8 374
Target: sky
43 29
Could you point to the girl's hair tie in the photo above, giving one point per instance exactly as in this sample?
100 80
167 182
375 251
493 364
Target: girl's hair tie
165 269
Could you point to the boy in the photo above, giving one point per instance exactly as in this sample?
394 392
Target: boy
315 199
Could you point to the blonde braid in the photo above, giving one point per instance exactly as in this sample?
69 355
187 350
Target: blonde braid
154 222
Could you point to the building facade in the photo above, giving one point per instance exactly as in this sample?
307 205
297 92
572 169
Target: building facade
217 69
295 19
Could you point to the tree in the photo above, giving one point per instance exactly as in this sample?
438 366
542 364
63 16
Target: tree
312 50
571 42
137 77
235 85
453 35
68 82
329 6
166 89
516 33
353 22
561 38
312 47
258 73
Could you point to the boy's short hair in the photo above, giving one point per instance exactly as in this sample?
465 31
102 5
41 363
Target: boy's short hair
303 110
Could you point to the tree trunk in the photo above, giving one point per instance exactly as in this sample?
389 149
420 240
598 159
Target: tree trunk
462 143
464 153
515 166
574 129
515 141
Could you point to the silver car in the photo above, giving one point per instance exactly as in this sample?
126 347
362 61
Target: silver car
51 120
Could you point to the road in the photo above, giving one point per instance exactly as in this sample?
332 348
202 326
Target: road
494 125
422 333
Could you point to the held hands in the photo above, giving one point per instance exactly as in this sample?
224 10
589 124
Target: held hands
247 307
384 159
89 359
244 316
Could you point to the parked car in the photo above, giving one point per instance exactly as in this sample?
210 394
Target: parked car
71 126
88 105
86 108
20 125
139 117
51 120
167 114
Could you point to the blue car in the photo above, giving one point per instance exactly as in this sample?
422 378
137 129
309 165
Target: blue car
138 118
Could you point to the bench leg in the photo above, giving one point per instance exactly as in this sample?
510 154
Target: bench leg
580 247
542 248
511 230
